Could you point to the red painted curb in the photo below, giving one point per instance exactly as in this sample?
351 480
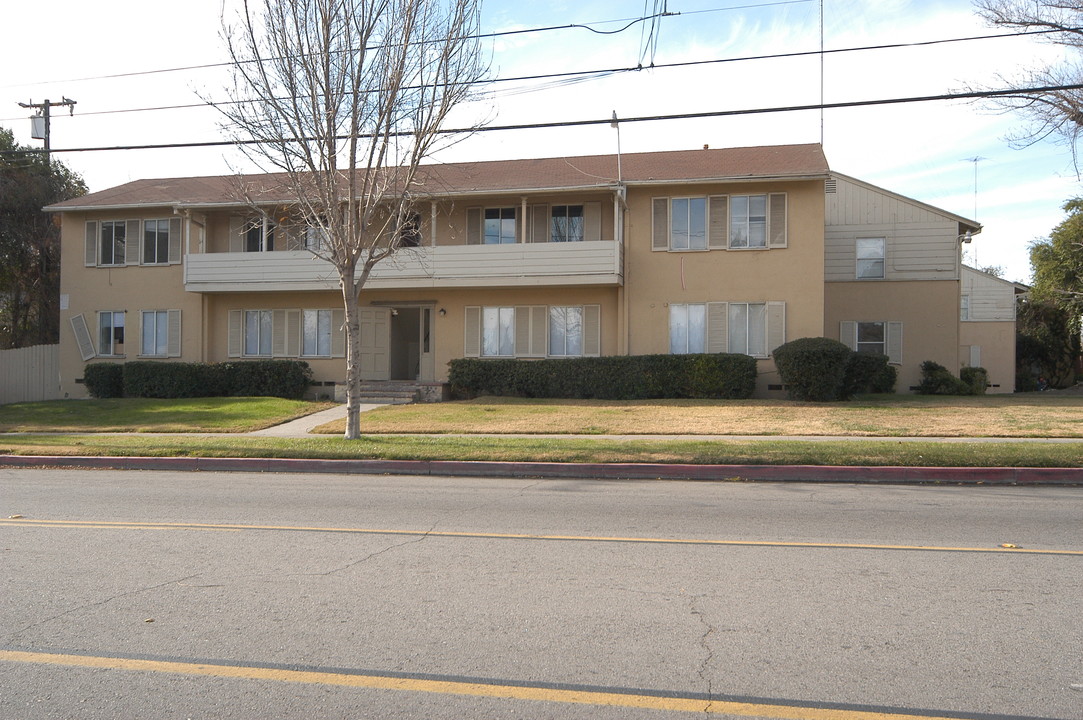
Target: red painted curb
611 471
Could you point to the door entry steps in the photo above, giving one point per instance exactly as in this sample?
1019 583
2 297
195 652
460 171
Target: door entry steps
395 392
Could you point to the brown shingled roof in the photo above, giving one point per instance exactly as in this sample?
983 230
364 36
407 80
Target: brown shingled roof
771 161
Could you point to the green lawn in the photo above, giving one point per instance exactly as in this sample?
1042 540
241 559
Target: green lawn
211 415
449 427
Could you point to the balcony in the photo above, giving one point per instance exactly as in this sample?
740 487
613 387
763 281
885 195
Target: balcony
580 263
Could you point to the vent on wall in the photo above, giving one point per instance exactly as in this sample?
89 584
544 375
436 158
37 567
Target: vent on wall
830 186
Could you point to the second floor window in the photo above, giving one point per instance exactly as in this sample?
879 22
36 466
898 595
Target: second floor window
155 242
566 223
259 236
870 258
112 243
688 224
499 228
748 221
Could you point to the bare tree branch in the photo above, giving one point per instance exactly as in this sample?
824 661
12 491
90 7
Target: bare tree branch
347 98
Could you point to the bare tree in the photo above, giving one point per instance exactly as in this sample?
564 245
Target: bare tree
344 99
1057 112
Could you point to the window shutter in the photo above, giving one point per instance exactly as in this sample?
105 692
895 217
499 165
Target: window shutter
848 334
718 336
338 333
173 339
235 333
718 222
175 241
473 227
592 330
592 221
776 325
660 224
82 337
975 356
90 249
133 241
278 333
236 234
539 224
293 333
776 220
530 330
472 332
894 342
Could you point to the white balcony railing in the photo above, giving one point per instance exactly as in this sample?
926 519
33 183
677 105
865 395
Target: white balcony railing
579 263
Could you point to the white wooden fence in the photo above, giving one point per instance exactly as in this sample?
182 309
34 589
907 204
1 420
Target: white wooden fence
30 374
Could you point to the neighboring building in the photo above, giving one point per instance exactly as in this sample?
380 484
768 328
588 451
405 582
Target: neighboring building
728 250
987 326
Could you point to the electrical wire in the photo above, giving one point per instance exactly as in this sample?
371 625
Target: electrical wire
605 72
973 95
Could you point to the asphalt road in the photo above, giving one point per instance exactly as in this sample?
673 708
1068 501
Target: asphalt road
204 595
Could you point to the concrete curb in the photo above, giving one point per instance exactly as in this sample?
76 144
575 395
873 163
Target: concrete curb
611 471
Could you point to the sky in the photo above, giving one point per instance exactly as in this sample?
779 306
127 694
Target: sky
119 59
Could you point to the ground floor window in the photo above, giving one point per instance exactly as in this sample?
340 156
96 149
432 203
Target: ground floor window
111 332
687 328
498 331
154 333
566 331
316 333
871 338
747 324
875 337
257 332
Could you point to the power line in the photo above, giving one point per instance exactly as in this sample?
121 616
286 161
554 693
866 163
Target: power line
581 75
604 121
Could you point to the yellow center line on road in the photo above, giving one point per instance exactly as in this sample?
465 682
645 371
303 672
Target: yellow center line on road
465 688
113 525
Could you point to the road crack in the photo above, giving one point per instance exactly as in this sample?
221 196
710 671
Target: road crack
708 651
88 606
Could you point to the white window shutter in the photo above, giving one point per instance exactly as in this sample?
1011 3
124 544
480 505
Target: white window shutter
235 342
473 226
90 248
776 325
293 333
236 234
539 224
133 241
592 221
592 330
975 356
660 224
278 333
472 332
539 331
848 334
718 222
82 337
776 220
718 339
530 330
894 342
175 241
338 333
173 339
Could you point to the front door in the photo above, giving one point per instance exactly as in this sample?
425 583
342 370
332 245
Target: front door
375 339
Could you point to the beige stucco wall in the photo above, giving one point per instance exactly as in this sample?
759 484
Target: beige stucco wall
997 343
928 310
794 275
130 288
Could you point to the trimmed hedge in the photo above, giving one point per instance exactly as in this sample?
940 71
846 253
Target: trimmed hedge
637 377
869 373
938 380
814 368
104 380
148 379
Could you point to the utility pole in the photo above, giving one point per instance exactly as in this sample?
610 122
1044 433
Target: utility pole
43 112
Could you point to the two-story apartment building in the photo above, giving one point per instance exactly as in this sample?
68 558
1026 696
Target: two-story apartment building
712 250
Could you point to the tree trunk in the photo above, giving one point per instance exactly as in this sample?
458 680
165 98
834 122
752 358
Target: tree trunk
353 354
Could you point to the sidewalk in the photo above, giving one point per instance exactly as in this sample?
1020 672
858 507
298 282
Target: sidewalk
302 427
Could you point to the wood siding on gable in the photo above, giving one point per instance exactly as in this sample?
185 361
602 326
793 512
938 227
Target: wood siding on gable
920 244
991 299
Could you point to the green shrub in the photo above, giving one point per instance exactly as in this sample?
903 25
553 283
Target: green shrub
148 379
104 380
869 373
938 380
634 377
267 378
975 378
814 368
